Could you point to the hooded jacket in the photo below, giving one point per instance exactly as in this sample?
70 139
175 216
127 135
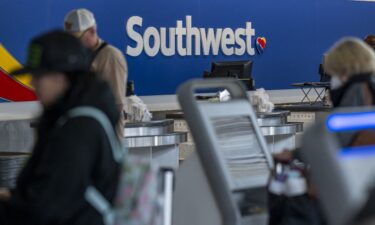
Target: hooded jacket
65 160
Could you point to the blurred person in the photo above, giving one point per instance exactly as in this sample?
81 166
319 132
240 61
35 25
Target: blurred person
351 63
107 61
67 157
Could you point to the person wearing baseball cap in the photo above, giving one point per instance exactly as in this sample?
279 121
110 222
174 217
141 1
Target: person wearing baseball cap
107 61
69 154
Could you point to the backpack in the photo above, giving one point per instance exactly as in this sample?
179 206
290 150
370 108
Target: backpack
137 201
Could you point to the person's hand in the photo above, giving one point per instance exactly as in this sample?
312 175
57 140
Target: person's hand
4 194
283 157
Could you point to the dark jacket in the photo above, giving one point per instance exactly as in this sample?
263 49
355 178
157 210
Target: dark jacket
65 160
358 94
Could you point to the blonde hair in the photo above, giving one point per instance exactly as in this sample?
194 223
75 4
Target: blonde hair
349 57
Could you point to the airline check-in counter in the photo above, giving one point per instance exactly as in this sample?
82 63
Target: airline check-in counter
283 127
156 141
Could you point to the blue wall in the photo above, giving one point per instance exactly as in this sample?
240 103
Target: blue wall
297 32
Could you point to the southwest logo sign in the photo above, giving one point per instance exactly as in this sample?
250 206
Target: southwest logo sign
261 44
185 39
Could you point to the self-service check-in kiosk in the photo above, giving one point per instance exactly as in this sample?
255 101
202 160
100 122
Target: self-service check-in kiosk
343 176
224 181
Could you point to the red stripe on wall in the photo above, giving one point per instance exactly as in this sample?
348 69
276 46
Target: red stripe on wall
13 90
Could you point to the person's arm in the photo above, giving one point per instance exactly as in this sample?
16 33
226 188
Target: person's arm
4 194
115 71
63 173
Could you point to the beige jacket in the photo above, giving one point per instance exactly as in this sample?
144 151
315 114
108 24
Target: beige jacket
110 64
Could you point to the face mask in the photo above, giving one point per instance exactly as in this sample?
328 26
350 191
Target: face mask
336 83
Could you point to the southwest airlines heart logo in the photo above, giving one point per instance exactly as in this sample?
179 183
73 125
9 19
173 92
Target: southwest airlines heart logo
261 43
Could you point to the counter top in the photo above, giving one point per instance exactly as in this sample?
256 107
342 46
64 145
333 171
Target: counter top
157 103
302 107
156 140
153 123
170 102
19 110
